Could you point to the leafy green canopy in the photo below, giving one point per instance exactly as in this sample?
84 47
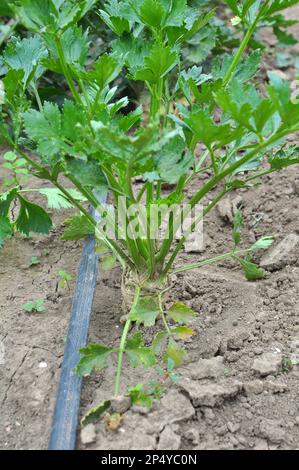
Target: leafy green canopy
93 139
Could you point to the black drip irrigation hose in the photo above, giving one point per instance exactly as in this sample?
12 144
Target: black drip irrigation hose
67 408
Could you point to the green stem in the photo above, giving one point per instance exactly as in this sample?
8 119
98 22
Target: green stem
66 71
183 239
123 341
11 26
206 262
150 242
244 44
113 245
89 196
37 97
163 315
229 170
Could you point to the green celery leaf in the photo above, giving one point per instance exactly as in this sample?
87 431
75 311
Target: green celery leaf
172 162
74 43
6 229
106 69
146 311
26 55
32 218
95 412
176 12
263 243
285 157
152 13
57 200
206 131
94 358
251 270
108 262
182 333
6 200
53 15
138 354
181 313
78 226
45 129
175 353
158 64
88 173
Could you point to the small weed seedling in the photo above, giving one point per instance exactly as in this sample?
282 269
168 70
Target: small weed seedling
65 278
216 123
35 261
34 306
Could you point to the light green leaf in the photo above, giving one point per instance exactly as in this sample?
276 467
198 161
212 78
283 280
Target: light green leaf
138 354
158 341
152 13
34 306
106 69
78 226
172 161
75 46
57 200
45 128
146 311
181 313
263 243
285 157
175 353
108 262
26 55
182 333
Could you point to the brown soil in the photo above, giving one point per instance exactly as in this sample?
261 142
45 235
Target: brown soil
219 404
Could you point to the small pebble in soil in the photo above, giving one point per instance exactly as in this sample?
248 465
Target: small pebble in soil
88 434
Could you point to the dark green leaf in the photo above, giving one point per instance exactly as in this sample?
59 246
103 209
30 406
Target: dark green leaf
88 173
285 157
32 218
251 270
6 229
94 414
94 358
160 61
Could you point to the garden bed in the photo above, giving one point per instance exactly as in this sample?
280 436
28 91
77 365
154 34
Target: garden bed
239 388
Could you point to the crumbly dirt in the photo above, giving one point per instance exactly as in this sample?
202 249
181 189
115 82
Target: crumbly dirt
239 386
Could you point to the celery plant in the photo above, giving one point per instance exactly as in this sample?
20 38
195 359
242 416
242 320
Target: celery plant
94 142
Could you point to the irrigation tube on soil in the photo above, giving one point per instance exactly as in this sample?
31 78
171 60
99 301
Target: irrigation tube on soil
65 419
